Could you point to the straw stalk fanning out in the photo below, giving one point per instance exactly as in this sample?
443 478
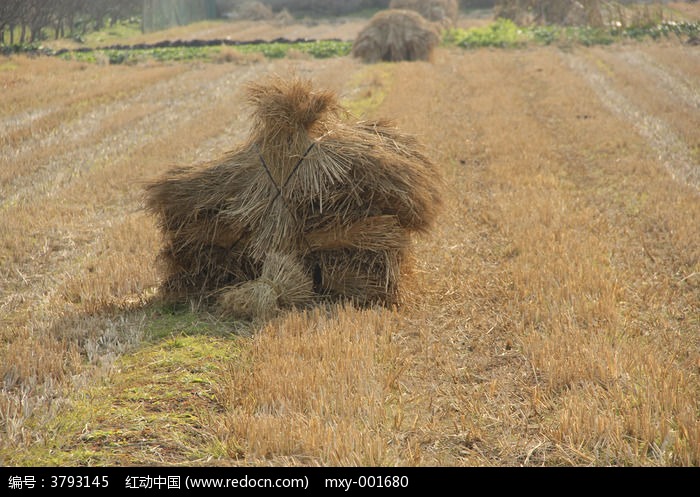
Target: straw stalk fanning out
309 208
394 35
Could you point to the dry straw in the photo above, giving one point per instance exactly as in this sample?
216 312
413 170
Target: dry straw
309 208
282 283
394 35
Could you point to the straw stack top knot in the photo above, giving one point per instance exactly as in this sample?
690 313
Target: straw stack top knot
290 104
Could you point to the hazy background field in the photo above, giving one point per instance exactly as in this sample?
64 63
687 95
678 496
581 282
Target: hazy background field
553 317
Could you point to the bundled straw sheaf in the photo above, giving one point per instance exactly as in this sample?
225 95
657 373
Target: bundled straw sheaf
282 283
395 35
310 207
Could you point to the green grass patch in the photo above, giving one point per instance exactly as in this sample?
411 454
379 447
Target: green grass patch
153 408
372 84
173 320
322 49
502 34
109 35
319 49
134 56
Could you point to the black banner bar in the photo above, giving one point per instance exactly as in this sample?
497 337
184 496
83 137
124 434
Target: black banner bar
329 480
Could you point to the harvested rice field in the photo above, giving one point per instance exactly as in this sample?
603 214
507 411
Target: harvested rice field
551 316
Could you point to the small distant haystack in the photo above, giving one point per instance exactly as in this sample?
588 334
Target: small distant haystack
444 12
394 35
309 208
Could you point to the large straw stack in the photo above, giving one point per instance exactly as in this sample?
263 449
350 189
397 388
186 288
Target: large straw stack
308 208
395 35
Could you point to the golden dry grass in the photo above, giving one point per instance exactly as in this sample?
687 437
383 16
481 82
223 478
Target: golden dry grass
574 211
552 318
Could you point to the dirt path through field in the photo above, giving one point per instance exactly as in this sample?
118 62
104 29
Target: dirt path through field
664 111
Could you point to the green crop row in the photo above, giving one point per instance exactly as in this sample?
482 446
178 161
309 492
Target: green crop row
317 49
504 33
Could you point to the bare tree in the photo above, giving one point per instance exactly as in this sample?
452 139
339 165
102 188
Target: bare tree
11 15
34 16
65 15
40 14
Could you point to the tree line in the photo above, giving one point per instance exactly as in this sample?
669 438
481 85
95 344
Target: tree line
29 21
23 21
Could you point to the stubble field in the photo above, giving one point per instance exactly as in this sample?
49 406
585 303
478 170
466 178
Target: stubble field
553 317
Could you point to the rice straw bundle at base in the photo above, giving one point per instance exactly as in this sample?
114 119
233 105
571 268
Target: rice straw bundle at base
310 208
282 284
